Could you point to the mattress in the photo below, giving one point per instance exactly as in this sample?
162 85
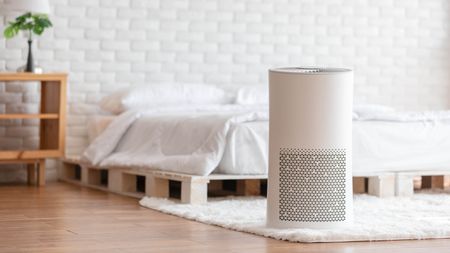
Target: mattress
378 146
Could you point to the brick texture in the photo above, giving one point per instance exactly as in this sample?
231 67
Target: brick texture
399 49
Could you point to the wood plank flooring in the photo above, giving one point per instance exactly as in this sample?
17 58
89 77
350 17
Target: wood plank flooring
66 218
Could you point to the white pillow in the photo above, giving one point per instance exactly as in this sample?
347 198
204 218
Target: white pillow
369 110
113 103
253 94
157 95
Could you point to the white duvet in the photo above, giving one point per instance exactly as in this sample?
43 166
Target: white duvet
233 139
188 140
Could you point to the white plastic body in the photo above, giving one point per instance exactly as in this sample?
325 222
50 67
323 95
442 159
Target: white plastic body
309 111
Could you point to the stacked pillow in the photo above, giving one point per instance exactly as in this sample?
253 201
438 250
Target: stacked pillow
174 95
252 95
160 95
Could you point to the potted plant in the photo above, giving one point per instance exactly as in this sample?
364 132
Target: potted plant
30 23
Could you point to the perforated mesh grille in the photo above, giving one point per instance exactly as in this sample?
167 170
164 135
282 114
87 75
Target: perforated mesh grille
312 185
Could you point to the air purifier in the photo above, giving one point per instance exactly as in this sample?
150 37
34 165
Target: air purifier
310 148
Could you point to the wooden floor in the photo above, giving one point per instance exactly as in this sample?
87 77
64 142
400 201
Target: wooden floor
66 218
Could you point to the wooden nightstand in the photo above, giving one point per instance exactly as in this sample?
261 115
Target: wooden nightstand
52 118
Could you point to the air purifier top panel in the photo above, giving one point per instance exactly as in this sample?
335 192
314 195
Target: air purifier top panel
310 70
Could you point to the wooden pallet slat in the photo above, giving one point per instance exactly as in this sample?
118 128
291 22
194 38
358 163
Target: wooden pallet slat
382 185
248 187
194 188
194 192
441 182
157 187
429 179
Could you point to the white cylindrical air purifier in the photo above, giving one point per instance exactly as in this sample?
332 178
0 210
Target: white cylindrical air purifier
310 148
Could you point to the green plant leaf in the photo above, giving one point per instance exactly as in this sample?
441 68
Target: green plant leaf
42 23
9 32
38 30
36 23
23 17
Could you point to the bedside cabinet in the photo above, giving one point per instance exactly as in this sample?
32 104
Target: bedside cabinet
52 123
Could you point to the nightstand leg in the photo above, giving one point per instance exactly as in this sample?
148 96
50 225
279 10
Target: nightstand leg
41 172
31 173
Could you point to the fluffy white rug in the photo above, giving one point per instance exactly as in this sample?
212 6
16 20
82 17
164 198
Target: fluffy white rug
423 216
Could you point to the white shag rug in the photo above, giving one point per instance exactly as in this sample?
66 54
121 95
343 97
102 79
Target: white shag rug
423 216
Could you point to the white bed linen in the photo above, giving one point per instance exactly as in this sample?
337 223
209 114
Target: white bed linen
393 146
381 143
245 150
378 146
188 140
97 124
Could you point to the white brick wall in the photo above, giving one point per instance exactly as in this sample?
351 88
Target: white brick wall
399 50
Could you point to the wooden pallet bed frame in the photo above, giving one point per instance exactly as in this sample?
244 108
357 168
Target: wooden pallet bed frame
126 181
135 182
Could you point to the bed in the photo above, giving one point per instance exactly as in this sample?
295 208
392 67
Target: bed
389 142
195 134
